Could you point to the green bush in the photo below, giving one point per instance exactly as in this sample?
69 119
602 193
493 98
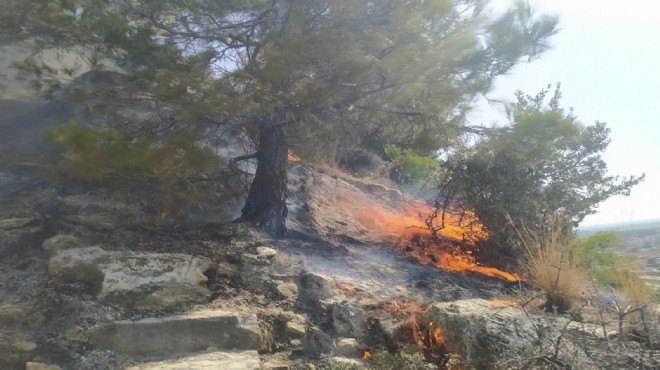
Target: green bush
107 158
410 169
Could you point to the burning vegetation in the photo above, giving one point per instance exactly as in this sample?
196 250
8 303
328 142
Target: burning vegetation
447 241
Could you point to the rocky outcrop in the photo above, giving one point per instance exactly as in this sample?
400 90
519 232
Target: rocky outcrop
234 360
486 334
192 332
134 279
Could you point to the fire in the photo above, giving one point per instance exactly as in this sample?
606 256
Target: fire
293 158
448 257
505 303
426 334
408 219
348 288
368 355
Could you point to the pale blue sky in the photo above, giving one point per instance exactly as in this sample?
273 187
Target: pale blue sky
606 57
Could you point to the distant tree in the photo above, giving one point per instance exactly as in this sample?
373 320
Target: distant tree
405 71
543 162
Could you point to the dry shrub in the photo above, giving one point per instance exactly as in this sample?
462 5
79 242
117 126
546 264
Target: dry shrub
548 261
635 291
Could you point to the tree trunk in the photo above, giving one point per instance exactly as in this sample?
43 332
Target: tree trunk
265 206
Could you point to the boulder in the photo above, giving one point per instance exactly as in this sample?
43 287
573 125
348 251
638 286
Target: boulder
61 242
153 279
134 279
192 332
234 360
487 334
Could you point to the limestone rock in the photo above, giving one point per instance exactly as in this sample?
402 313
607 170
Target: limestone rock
487 333
348 319
134 279
24 346
266 252
11 314
98 211
40 366
79 265
154 279
195 331
347 347
227 269
16 223
61 242
295 330
235 360
287 290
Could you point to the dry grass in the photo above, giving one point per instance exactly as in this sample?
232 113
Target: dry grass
635 291
549 263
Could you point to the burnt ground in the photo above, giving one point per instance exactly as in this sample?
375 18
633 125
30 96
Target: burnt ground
52 313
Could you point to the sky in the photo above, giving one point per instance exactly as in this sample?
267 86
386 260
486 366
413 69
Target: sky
606 56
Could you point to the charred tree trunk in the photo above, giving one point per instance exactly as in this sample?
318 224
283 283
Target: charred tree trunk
265 206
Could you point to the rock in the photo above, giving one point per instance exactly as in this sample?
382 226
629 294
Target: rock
98 211
153 279
79 265
348 361
75 333
316 341
348 319
61 242
287 290
17 223
236 360
266 252
195 331
481 331
134 279
274 365
227 269
24 346
295 330
40 366
12 314
347 347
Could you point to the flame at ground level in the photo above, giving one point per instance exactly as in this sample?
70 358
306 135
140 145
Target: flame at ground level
410 223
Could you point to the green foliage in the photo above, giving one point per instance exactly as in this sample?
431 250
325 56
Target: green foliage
543 162
411 170
109 159
408 358
598 257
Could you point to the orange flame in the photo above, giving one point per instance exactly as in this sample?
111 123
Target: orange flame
293 158
368 355
348 288
409 222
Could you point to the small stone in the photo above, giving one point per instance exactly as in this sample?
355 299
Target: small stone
295 330
40 366
311 367
75 333
287 290
266 252
347 347
61 242
227 269
295 343
11 314
24 346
